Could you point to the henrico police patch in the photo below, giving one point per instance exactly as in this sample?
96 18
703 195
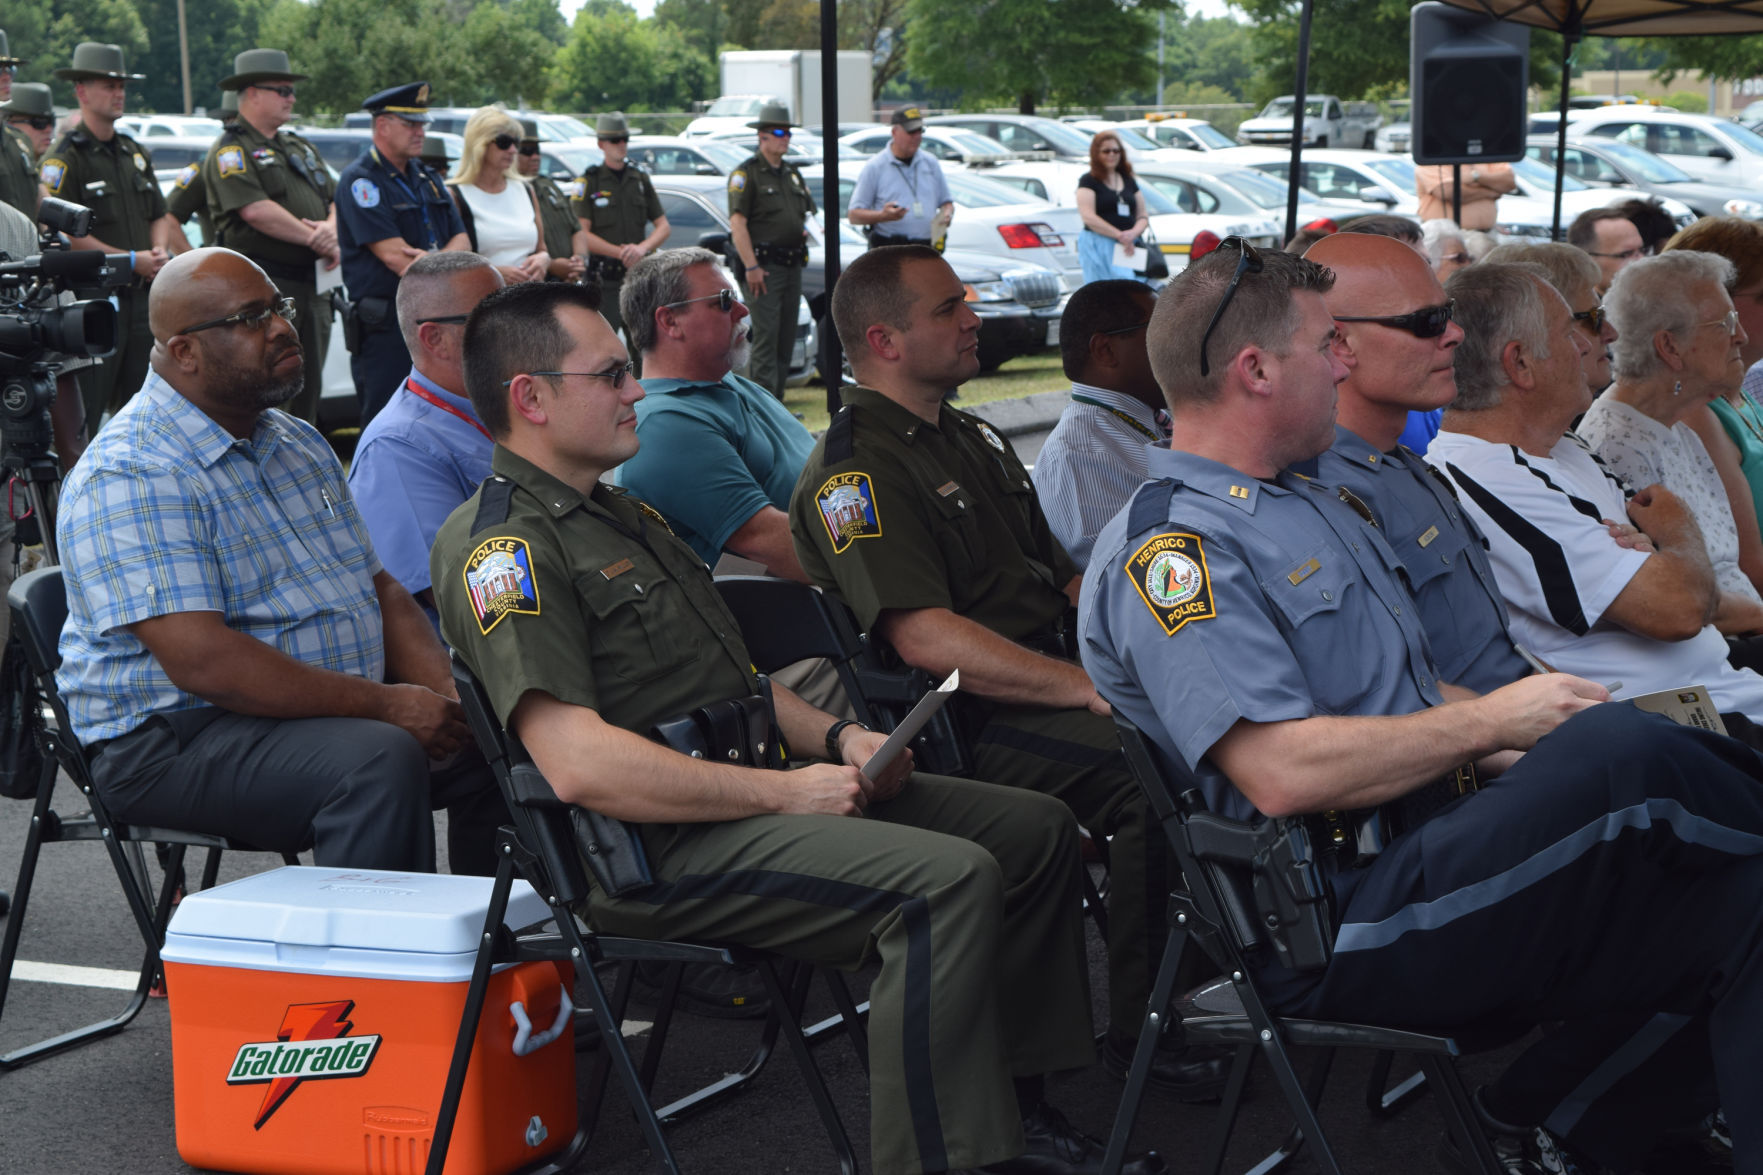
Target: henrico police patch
499 579
366 193
847 506
1169 573
52 173
231 160
186 175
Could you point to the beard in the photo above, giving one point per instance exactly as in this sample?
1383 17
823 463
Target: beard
740 347
260 389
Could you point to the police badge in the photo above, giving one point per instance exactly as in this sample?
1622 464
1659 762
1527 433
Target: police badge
847 506
1169 573
499 580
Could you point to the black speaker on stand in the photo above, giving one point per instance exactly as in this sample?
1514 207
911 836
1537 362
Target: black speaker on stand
1469 77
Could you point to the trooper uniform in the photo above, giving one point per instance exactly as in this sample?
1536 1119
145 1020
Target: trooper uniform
1613 878
1444 554
189 194
375 202
892 512
777 204
617 207
18 166
245 166
593 600
556 213
115 180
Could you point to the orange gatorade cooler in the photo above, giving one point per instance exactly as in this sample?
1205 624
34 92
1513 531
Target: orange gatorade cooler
313 1016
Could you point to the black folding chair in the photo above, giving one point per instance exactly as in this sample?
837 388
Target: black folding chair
1221 914
540 846
39 609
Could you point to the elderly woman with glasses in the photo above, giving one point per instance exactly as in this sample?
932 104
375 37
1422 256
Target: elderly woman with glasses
499 208
1113 211
1678 347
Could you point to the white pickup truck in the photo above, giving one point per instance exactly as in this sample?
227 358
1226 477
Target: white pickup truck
1328 122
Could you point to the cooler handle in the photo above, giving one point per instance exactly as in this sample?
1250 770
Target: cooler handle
526 1041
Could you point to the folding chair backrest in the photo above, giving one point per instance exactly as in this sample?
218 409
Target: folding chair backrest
783 622
39 607
541 820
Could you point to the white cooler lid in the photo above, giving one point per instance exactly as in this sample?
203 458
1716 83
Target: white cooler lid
372 922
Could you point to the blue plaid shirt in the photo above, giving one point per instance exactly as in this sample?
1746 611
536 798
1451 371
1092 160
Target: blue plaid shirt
168 512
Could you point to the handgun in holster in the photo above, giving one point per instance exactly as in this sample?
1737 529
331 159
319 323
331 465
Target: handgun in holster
1287 905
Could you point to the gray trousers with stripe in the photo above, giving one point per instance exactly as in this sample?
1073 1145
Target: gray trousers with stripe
1613 880
967 893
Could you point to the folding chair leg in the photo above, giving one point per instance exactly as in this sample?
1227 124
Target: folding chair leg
211 868
665 1007
1459 1113
1383 1100
788 1010
1240 1064
1156 1016
850 1017
1302 1098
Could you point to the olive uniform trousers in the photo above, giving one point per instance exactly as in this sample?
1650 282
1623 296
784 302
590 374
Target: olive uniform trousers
774 325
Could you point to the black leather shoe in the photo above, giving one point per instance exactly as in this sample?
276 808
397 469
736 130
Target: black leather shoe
1186 1073
1056 1147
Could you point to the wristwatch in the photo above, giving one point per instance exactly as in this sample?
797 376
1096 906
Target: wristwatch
832 737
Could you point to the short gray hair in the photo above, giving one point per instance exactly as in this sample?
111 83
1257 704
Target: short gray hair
1568 269
1434 234
426 282
1496 304
1652 295
657 280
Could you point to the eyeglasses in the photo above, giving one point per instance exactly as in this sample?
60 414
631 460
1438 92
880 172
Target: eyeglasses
777 132
505 141
282 308
724 298
1248 261
1595 318
1429 322
37 122
1456 258
444 319
1729 320
616 375
529 148
615 138
1126 330
1633 254
284 91
1107 150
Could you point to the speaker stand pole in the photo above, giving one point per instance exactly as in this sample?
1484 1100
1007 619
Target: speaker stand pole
1568 37
1457 194
1300 96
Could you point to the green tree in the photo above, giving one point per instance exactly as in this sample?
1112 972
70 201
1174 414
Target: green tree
613 61
216 29
1068 52
1724 58
353 48
46 32
699 22
879 27
507 51
1211 53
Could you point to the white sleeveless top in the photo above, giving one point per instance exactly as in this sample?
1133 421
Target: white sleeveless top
506 228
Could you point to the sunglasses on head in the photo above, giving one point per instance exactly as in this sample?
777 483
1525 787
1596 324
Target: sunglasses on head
1248 261
505 141
1429 322
724 298
284 91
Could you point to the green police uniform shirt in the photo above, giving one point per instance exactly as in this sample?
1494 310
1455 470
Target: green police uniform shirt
556 216
115 180
590 599
618 205
18 172
245 166
892 512
775 201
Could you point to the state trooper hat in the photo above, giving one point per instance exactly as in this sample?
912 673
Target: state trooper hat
609 126
6 57
260 65
93 60
529 129
772 114
29 98
408 102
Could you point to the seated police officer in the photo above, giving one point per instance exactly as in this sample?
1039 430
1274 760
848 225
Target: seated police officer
923 520
1396 332
1255 624
234 656
589 622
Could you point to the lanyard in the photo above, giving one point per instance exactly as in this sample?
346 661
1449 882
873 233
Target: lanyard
422 393
909 176
1135 425
422 207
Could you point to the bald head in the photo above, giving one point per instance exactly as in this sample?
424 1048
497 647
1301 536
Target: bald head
199 286
1371 273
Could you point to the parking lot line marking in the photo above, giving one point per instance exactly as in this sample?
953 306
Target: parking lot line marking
636 1027
72 976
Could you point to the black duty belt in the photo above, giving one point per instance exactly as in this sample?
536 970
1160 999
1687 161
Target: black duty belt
1353 837
282 271
879 241
788 256
607 269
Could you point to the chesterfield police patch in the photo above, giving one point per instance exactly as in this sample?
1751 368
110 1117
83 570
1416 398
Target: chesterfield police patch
737 181
499 579
847 506
231 160
52 173
1169 572
187 174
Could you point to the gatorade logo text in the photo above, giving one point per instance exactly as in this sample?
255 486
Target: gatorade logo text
312 1044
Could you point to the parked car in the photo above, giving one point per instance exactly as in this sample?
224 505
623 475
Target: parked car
565 162
1023 132
1607 163
341 146
1394 138
804 145
156 126
1173 229
1714 149
947 143
1536 188
1327 121
1212 184
1139 146
1188 134
553 128
667 155
172 153
730 112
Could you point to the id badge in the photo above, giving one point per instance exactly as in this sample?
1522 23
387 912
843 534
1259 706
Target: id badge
1122 208
918 208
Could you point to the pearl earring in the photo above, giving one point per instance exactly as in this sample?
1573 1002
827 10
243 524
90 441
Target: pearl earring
1677 388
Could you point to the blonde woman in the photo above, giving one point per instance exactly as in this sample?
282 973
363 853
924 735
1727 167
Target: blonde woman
501 213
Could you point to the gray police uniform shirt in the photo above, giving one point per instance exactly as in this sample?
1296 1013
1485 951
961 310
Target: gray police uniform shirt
917 185
1445 555
1216 597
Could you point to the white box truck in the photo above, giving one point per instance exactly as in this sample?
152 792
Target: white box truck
752 77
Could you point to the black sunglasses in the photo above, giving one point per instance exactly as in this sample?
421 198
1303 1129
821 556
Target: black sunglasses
444 319
529 148
37 122
284 91
1594 318
1426 323
724 299
1248 261
505 141
615 138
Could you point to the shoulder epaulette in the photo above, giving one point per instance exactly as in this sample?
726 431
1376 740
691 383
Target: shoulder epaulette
493 499
1150 505
841 436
